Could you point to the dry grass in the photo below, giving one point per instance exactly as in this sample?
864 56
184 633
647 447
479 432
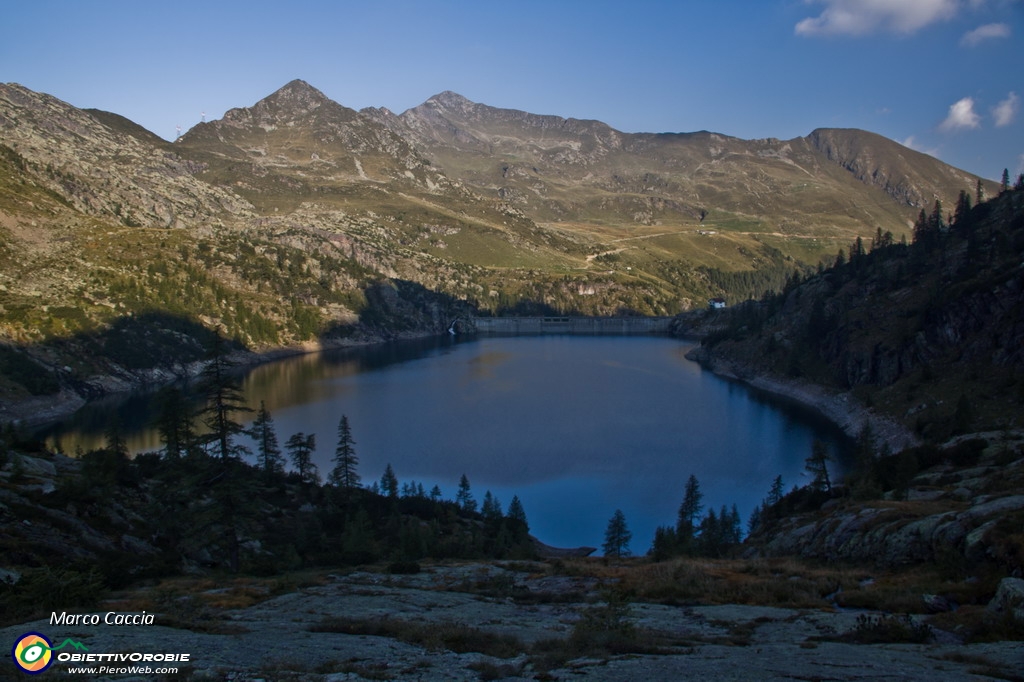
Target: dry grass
198 603
450 636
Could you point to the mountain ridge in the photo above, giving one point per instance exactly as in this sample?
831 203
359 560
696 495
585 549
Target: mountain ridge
289 220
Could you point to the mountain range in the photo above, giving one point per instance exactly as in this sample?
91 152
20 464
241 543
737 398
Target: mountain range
299 220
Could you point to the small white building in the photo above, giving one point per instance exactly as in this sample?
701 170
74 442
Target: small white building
716 303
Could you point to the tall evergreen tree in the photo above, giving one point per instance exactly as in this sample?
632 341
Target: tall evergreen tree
174 423
1004 184
300 449
776 492
516 512
689 510
817 466
962 214
115 442
223 400
617 536
344 474
268 452
491 508
464 498
389 482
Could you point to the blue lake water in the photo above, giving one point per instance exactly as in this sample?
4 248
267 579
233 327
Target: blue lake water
576 426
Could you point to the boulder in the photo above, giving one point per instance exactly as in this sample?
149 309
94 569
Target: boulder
1009 599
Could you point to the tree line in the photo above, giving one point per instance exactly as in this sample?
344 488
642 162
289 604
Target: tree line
215 501
717 533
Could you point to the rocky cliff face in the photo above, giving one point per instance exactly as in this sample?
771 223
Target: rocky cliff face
906 175
953 516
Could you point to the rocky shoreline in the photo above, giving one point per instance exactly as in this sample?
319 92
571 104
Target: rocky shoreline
840 408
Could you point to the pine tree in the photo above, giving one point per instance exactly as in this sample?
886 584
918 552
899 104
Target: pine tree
464 498
344 474
223 399
689 511
755 519
776 492
115 442
389 482
491 508
435 494
665 543
735 525
300 449
1004 184
268 453
710 534
817 466
494 523
962 215
174 423
617 536
516 512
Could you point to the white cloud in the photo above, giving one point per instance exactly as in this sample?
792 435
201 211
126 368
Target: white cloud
860 17
911 143
986 32
1006 111
961 115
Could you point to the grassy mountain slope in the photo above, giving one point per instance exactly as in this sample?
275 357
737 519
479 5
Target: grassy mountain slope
829 186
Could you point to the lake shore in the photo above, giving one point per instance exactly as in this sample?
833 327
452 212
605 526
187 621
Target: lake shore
839 407
37 411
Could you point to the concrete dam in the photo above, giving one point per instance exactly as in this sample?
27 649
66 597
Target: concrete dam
567 325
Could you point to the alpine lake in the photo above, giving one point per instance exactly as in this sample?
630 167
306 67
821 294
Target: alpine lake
576 426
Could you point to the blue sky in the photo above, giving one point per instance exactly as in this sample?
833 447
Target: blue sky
942 76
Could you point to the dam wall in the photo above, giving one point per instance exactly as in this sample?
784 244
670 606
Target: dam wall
571 325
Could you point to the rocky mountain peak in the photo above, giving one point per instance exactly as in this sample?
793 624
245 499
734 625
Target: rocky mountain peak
450 100
294 102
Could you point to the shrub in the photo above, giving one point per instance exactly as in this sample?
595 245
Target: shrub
887 629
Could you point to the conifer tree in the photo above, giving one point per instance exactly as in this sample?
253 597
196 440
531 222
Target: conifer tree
389 482
344 474
174 423
494 523
115 442
817 466
689 511
268 452
223 400
735 525
516 512
664 544
464 498
776 492
491 508
617 536
300 449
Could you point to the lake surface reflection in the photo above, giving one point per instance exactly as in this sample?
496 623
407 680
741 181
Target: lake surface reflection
576 426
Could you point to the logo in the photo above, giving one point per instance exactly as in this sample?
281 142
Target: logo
33 652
